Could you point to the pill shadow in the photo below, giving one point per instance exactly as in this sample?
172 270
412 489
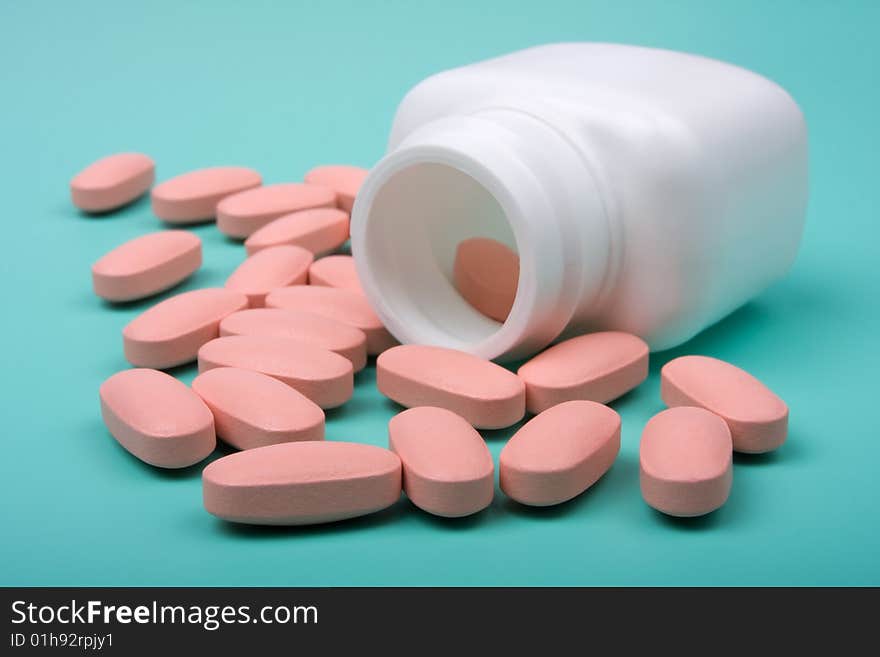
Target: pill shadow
227 239
357 405
260 532
135 304
392 406
366 376
185 371
617 481
189 472
694 524
503 435
790 450
142 201
635 396
513 365
199 225
742 322
203 277
731 513
464 523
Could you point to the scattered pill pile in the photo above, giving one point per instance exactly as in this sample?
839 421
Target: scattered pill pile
286 335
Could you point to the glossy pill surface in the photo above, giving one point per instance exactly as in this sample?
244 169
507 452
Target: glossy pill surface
560 453
483 393
241 214
270 268
301 483
343 179
157 418
304 327
685 461
320 230
335 271
447 468
757 417
597 367
254 410
321 375
344 306
171 332
146 265
193 196
486 274
112 182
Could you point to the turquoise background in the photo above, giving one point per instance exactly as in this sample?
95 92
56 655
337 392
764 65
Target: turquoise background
285 86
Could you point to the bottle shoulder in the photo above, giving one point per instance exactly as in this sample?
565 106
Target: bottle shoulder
597 81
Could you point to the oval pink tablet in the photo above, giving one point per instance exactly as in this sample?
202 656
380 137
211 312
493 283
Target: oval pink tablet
598 367
171 332
757 417
447 468
320 230
344 179
335 271
270 268
157 418
344 306
112 182
685 461
241 214
560 453
483 393
254 410
146 265
486 274
304 327
301 483
319 374
193 196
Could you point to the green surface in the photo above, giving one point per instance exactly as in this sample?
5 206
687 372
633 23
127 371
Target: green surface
285 86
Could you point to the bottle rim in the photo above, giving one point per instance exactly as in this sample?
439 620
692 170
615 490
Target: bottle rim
420 308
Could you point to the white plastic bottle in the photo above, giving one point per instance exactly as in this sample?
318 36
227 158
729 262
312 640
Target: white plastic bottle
645 190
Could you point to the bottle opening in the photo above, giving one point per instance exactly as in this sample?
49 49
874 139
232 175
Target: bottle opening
439 247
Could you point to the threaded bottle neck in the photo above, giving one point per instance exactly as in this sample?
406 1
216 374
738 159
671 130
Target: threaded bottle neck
496 173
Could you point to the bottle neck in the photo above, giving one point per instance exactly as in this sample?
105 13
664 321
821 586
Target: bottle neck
495 173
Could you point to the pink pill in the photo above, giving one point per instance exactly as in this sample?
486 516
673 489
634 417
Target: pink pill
157 418
598 367
447 468
345 180
486 274
685 461
193 196
304 327
146 265
319 374
335 271
254 410
270 268
301 483
560 453
320 230
483 393
171 332
241 214
344 306
112 182
758 419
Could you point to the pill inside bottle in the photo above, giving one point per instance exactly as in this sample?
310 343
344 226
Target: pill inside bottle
461 260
